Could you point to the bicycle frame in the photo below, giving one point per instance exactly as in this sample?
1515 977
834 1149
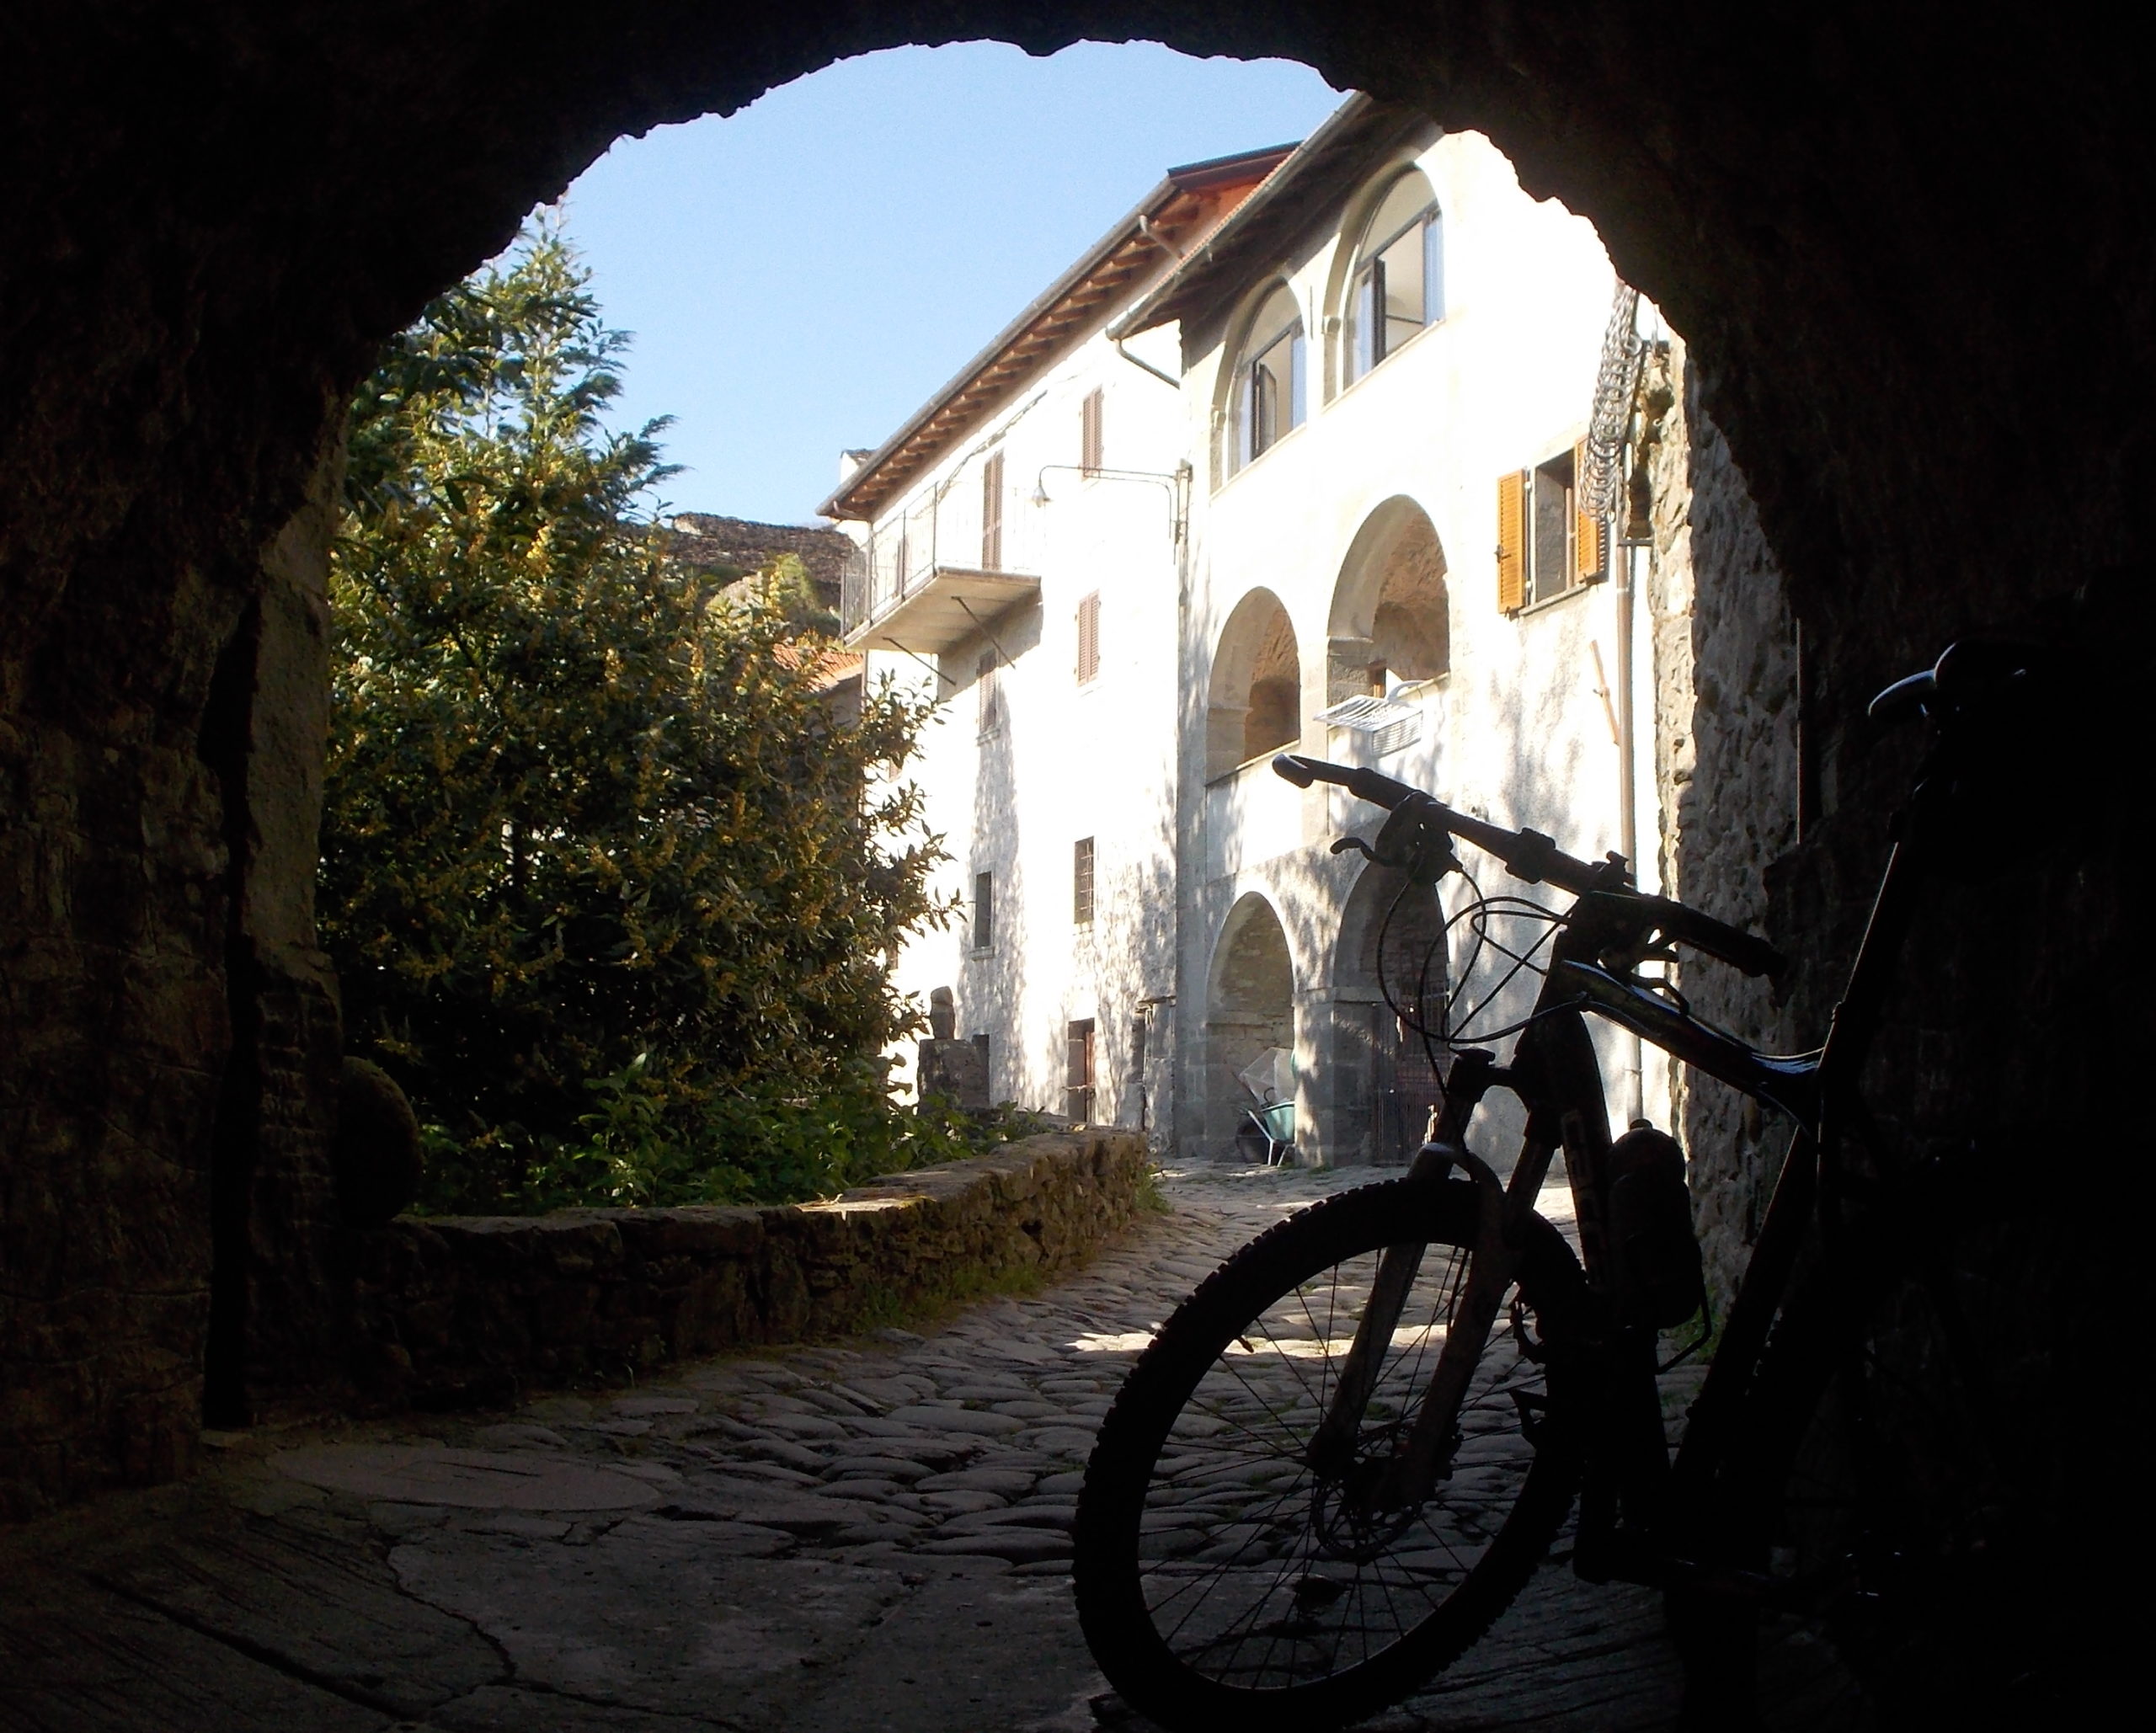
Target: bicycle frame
1555 1075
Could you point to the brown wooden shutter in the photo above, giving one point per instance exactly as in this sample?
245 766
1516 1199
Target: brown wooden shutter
1082 882
1089 637
1089 432
1078 1071
1587 522
991 513
1511 541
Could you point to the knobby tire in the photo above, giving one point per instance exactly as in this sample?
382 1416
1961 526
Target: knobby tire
1220 1582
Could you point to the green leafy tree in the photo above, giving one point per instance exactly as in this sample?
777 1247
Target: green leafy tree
611 888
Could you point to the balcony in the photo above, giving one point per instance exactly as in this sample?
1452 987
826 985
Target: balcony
924 584
940 609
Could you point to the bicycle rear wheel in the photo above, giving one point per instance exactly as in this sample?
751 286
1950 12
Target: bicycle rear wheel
1221 1581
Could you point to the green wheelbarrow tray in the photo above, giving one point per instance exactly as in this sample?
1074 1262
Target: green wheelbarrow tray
1274 1122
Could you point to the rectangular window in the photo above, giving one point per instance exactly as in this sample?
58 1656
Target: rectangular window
1553 559
1089 433
1399 269
991 513
1546 543
987 1062
1138 1073
1273 393
1399 291
988 685
1433 269
984 911
1082 882
1367 339
1078 1071
1089 637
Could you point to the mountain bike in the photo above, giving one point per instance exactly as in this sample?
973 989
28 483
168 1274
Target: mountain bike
1341 1459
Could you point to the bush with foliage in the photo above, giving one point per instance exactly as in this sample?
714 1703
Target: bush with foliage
611 888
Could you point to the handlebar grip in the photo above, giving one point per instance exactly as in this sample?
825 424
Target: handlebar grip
1733 946
1364 784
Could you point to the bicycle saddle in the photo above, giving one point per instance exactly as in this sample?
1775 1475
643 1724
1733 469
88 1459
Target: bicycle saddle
1970 673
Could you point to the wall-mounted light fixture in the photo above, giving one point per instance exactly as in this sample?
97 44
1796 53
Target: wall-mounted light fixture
1176 481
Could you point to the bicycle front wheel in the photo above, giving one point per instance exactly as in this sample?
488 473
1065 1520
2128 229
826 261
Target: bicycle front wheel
1222 1581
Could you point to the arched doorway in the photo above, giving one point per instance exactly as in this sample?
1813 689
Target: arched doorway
1391 618
1250 1010
1384 1079
1254 701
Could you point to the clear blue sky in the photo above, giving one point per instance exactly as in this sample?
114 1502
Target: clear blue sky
801 276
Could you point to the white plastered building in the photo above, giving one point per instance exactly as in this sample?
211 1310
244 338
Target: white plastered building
1295 458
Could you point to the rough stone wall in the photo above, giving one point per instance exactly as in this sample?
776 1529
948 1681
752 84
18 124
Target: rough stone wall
279 1279
707 539
465 1309
1726 744
168 1033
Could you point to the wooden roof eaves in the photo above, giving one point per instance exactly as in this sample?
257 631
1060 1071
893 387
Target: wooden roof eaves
1019 350
1322 169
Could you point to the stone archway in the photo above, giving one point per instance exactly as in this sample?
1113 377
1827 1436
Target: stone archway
1925 335
1391 616
1254 699
1250 1008
1390 958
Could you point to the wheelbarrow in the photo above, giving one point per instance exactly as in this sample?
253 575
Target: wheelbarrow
1266 1132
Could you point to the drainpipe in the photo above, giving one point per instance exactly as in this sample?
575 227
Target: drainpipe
1140 362
1627 783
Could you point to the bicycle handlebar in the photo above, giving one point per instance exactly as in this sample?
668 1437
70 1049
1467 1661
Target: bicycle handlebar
1530 856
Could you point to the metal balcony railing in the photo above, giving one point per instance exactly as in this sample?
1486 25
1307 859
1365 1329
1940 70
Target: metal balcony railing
953 532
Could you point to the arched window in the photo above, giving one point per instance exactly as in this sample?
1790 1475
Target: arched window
1399 284
1269 389
1391 621
1254 704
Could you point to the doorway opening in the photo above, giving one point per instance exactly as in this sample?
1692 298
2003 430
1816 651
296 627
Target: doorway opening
1250 1015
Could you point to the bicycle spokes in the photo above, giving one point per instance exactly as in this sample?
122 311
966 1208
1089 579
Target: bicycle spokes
1266 1559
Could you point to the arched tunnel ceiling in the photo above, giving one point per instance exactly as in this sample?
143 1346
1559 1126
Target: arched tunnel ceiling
1876 225
1910 247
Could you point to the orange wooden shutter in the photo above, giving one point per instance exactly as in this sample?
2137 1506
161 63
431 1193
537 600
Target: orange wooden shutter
1089 637
1089 432
1511 541
1586 521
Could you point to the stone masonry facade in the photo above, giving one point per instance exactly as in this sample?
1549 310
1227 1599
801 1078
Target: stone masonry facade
1726 764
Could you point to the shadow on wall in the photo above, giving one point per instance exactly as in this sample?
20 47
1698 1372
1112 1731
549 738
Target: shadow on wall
1134 972
991 975
1391 952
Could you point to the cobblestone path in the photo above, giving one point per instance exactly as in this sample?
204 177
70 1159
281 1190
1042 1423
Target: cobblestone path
835 1539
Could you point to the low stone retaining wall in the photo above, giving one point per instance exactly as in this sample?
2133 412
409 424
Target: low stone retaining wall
457 1310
